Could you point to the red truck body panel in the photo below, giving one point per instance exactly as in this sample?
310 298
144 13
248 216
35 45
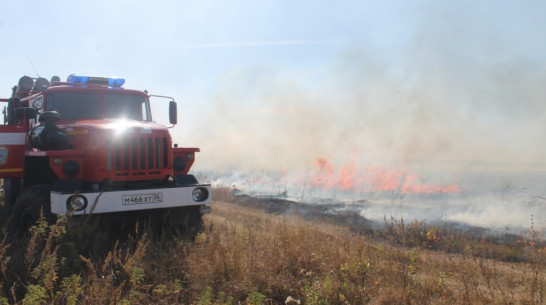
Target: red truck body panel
12 150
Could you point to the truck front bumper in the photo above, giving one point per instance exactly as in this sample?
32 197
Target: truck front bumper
130 200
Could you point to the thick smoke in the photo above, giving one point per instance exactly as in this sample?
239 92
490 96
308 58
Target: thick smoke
278 120
453 105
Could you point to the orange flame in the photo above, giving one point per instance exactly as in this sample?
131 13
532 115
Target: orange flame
348 177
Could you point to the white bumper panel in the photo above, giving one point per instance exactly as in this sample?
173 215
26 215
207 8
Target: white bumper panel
131 200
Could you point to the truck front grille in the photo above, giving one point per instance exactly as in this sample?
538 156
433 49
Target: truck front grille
137 156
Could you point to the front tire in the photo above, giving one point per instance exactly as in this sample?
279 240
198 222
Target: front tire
187 220
12 188
193 224
33 201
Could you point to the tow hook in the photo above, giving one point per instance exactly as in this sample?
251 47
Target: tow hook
204 209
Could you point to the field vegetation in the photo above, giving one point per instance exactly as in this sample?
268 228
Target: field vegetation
248 256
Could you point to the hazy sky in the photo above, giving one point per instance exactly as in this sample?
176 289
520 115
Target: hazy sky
278 84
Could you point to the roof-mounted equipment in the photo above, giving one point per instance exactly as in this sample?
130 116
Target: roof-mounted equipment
92 80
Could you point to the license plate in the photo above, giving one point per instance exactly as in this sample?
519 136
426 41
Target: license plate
142 198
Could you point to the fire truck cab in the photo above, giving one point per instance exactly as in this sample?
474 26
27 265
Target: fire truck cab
90 146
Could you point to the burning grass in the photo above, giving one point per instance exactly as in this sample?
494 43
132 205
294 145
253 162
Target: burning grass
247 256
351 176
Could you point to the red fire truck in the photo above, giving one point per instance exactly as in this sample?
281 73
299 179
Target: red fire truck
90 146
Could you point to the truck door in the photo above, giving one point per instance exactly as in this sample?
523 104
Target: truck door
12 150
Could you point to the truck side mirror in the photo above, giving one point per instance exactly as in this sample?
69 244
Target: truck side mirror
173 114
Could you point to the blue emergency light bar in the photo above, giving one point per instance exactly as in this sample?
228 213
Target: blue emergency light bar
83 80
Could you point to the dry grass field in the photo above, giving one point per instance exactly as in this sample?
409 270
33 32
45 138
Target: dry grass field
248 256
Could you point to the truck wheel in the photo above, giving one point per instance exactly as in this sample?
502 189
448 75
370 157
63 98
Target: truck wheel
33 201
12 188
195 223
189 220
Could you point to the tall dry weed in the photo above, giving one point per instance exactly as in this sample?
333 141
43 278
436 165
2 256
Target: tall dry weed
246 256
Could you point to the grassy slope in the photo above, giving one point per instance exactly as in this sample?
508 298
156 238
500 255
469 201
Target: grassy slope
251 257
325 264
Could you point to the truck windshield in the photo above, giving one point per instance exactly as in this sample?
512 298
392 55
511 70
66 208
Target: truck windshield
72 105
134 107
87 105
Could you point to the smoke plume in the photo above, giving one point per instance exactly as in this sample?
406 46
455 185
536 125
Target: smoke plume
455 108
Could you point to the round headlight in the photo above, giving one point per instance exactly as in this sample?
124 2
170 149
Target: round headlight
71 168
38 103
179 164
200 194
189 156
76 203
